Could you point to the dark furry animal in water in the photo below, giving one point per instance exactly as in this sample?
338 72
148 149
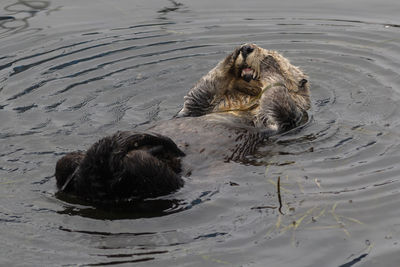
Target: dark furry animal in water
252 94
122 166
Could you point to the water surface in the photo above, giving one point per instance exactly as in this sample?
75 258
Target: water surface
72 72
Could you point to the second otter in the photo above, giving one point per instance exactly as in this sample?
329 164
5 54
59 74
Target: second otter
252 94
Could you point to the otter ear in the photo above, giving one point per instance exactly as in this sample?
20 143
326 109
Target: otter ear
302 82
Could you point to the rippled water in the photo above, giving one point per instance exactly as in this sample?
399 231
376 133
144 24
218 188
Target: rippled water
71 73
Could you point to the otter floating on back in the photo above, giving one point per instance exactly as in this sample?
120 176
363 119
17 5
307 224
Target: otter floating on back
252 94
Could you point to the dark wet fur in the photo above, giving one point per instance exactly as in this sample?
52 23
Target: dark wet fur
280 108
133 165
120 167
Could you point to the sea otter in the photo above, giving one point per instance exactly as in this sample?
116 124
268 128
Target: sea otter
252 94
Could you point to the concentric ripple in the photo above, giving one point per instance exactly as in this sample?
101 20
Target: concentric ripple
336 203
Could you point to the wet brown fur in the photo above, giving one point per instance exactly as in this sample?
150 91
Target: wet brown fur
140 165
224 90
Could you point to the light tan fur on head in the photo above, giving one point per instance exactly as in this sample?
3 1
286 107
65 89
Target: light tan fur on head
239 82
265 67
270 66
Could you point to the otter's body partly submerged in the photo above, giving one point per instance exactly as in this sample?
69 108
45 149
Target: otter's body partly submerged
250 95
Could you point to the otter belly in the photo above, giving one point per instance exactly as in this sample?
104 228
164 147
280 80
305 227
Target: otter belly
210 138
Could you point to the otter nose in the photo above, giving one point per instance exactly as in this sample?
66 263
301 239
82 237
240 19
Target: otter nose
246 49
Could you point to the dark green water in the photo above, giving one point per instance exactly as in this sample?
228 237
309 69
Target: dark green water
72 72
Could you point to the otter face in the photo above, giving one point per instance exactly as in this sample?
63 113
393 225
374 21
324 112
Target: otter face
247 63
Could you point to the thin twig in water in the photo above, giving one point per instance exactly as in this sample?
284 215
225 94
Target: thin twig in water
278 185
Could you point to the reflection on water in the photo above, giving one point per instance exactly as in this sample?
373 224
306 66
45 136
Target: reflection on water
62 89
133 209
19 14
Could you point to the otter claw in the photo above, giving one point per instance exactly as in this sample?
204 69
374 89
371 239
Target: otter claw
256 75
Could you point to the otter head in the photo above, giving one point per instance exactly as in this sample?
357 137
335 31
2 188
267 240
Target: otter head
244 81
247 62
253 70
259 67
